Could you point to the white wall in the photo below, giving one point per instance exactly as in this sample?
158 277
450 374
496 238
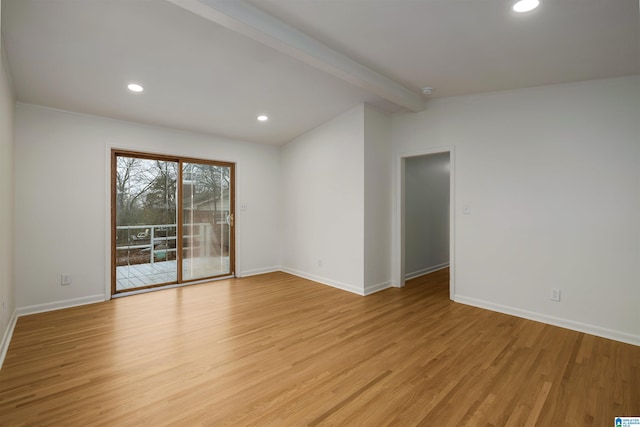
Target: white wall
552 175
323 203
7 282
62 203
377 200
426 213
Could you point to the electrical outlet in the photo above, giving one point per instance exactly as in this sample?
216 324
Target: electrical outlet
65 279
319 263
555 294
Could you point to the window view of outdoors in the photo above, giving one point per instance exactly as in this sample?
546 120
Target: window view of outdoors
146 205
146 226
207 219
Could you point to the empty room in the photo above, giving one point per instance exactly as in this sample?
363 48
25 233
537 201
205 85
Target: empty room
319 213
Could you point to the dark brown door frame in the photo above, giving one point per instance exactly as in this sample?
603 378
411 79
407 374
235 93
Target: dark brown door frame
115 153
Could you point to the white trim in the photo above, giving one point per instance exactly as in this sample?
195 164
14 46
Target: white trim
552 320
237 222
372 289
41 308
107 221
513 311
6 338
58 305
109 147
257 271
425 271
325 281
398 226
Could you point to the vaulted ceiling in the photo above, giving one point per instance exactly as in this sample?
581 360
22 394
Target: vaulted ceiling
214 65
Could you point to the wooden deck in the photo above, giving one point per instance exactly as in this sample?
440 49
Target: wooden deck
138 275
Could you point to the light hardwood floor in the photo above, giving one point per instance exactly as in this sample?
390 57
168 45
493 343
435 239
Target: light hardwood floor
277 350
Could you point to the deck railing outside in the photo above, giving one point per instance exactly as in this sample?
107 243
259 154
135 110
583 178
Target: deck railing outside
198 234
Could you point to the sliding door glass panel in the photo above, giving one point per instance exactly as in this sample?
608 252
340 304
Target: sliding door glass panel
146 226
207 218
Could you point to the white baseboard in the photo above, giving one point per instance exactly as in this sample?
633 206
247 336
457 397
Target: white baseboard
324 281
41 308
257 271
6 338
57 305
552 320
372 289
424 271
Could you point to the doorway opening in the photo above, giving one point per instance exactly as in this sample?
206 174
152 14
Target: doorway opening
425 215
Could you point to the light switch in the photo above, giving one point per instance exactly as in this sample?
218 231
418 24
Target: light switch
466 209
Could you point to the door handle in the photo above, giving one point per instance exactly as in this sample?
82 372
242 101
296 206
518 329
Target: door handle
230 220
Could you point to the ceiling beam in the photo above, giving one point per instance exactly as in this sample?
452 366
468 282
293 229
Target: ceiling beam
258 25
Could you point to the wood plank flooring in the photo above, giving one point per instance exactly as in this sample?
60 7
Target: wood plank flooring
277 350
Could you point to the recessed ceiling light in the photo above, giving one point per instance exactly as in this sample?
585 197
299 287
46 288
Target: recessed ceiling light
525 5
263 118
134 87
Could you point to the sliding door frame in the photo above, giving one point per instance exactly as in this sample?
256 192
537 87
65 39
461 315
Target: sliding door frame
180 160
232 212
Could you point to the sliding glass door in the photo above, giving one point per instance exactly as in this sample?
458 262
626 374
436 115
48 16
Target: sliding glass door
172 220
207 219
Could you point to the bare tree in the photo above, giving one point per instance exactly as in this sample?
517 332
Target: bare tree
134 177
160 200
